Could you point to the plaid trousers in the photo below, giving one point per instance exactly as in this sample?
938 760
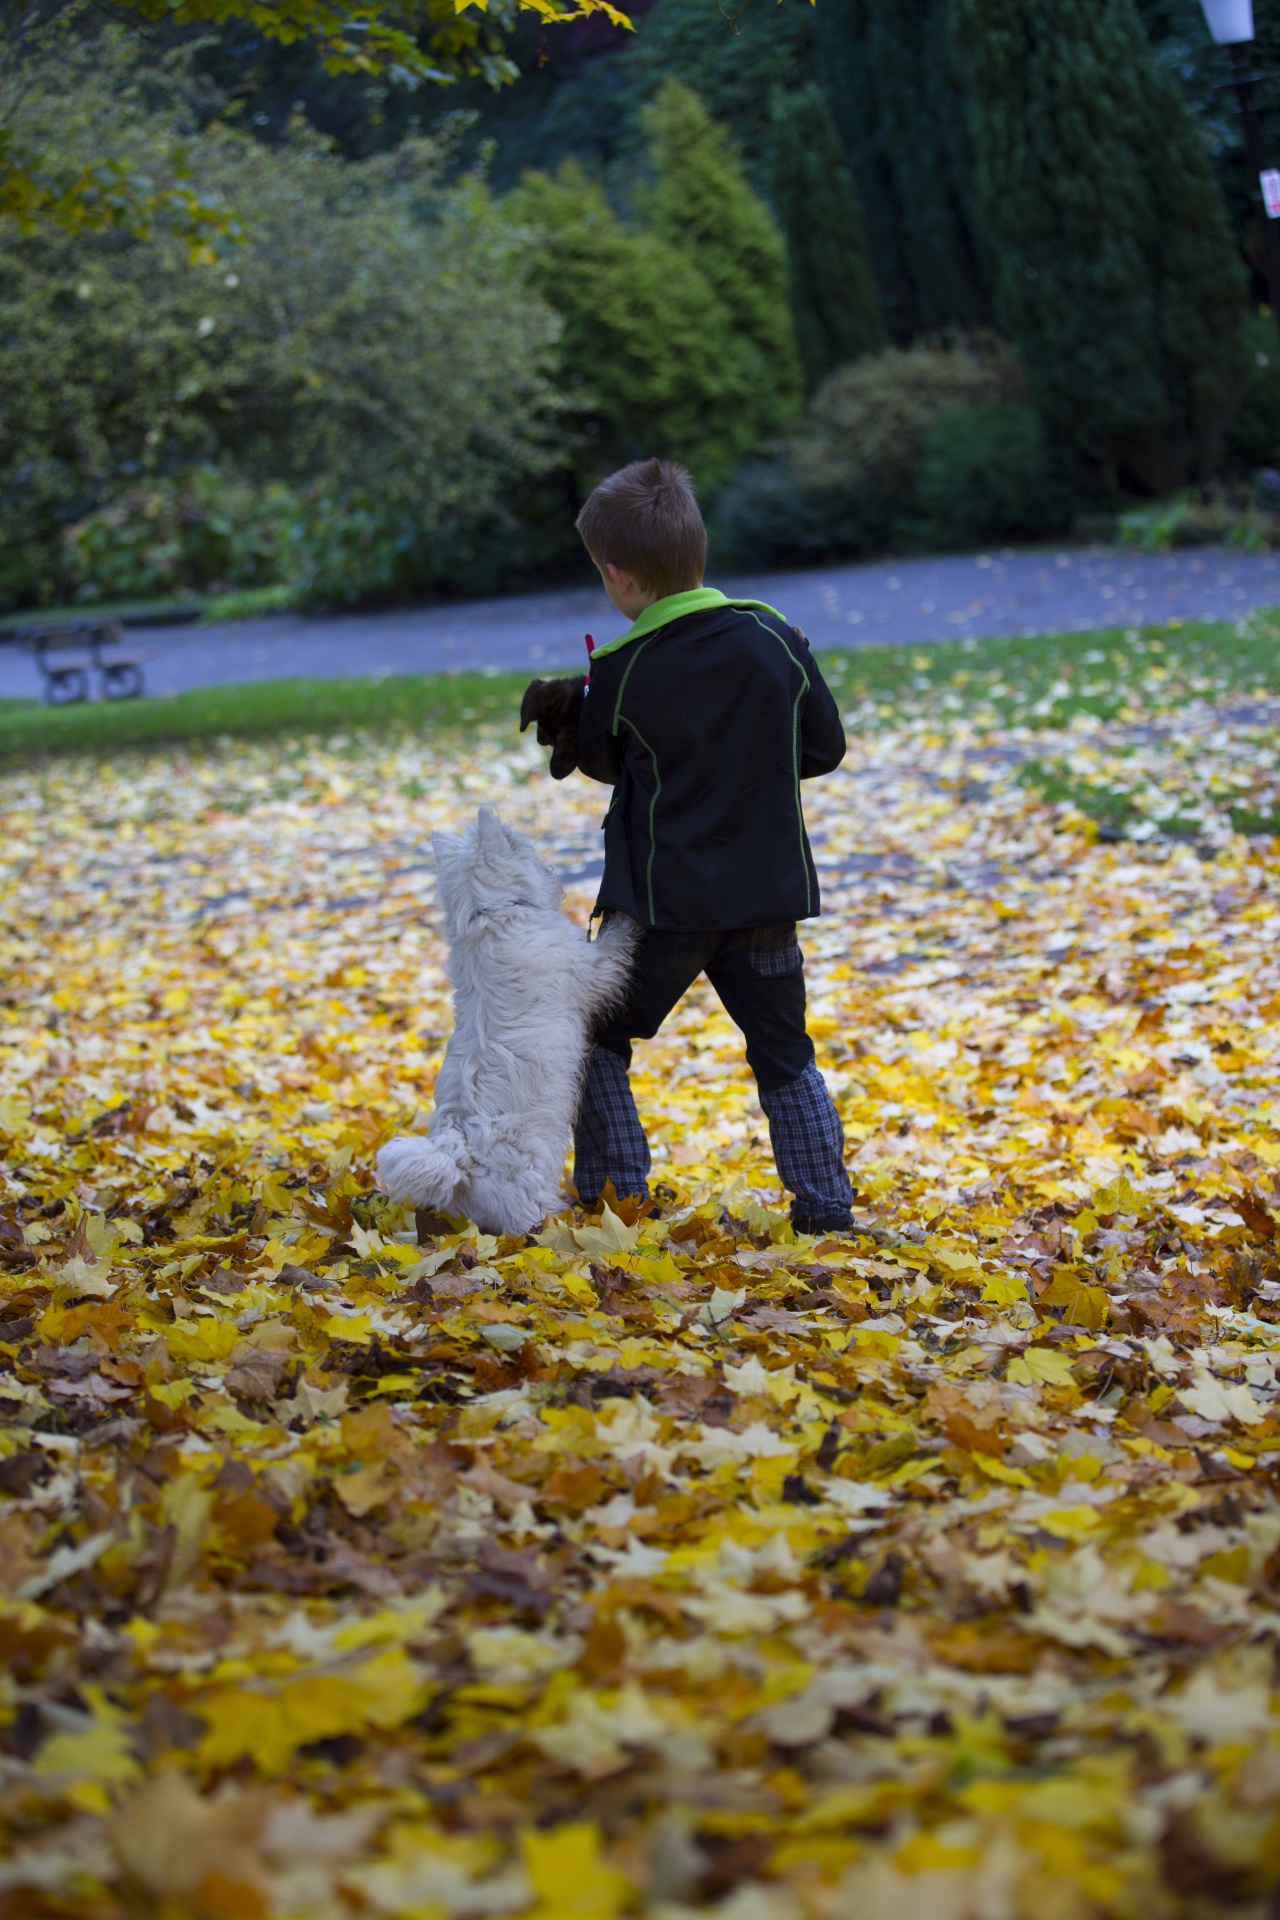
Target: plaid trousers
758 974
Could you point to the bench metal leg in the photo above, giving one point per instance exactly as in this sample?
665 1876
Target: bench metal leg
121 680
64 686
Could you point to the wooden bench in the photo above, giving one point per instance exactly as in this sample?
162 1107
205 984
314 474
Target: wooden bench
68 652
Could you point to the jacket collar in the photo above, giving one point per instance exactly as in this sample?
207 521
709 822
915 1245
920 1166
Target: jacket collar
674 607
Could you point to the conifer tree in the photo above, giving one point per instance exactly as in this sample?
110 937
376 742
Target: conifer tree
887 69
1118 278
835 303
677 335
700 201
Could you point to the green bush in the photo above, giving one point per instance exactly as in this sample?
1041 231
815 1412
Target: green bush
199 532
1255 431
845 477
835 303
987 473
1118 275
677 333
373 344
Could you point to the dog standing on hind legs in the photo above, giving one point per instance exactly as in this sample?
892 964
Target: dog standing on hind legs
527 985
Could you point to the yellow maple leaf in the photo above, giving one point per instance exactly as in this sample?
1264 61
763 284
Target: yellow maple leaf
1003 1289
570 1876
1081 1305
1040 1366
84 1762
268 1724
1118 1197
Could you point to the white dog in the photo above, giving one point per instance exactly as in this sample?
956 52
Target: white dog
526 985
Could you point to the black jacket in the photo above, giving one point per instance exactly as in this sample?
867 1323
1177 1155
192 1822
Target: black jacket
704 719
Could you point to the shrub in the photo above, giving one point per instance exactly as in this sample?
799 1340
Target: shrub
194 533
1118 275
373 343
845 477
1255 432
835 303
987 473
677 334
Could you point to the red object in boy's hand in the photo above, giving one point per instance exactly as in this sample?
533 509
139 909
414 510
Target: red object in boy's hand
591 645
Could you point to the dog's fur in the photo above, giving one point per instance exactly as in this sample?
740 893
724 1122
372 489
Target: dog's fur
556 707
527 984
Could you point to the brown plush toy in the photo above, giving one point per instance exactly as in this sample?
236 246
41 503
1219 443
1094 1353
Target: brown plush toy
555 706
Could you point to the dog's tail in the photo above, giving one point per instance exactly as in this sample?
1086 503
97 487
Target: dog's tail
611 957
427 1169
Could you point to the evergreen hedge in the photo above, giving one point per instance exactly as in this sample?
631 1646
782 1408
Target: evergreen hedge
835 302
1117 273
891 80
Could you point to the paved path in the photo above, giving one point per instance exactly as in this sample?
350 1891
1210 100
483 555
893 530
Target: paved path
898 602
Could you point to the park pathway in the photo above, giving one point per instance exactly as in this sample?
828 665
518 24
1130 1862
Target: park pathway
895 602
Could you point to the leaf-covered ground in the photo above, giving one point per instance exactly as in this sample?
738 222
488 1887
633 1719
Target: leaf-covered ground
658 1566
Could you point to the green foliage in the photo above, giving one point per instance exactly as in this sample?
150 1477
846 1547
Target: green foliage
375 346
677 335
888 71
249 603
590 109
835 303
987 472
1118 277
402 42
1236 517
191 533
701 203
1152 528
846 477
1255 431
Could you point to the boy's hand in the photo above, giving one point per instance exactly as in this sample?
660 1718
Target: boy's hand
555 706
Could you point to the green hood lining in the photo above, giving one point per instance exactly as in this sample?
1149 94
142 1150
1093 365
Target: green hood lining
674 607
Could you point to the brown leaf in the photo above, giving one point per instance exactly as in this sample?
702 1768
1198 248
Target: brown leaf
506 1494
519 1580
963 1422
171 1839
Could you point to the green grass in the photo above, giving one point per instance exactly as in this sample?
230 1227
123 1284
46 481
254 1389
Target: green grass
1034 683
1045 681
447 703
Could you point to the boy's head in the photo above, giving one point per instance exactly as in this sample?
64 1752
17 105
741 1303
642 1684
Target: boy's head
643 529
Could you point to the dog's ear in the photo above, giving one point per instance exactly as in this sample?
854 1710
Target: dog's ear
446 847
492 834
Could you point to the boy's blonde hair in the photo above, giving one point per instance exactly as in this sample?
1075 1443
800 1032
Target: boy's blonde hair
645 519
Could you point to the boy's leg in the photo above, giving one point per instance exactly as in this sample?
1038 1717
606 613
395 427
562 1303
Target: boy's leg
608 1140
759 976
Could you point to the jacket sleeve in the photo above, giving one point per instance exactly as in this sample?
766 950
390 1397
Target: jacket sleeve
600 753
822 742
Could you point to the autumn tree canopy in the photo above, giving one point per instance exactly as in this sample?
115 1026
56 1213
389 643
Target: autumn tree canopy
412 42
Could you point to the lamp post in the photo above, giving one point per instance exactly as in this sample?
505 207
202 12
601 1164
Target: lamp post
1231 24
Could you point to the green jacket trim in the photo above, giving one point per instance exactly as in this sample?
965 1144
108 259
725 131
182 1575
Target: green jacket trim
674 607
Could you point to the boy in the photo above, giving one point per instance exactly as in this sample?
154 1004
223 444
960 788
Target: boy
704 718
